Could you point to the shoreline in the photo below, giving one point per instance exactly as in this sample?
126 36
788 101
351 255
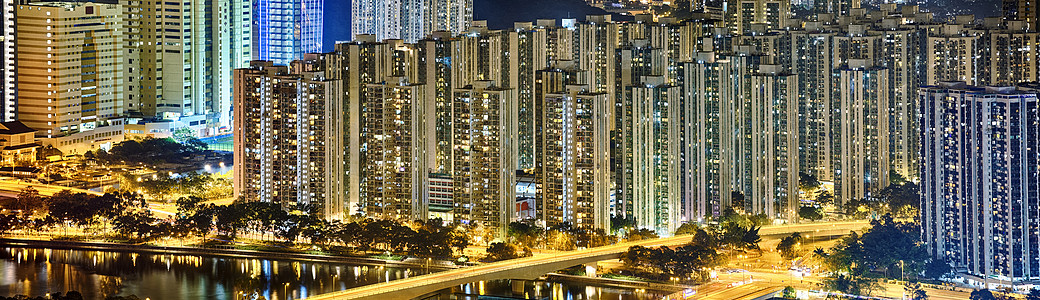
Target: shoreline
437 265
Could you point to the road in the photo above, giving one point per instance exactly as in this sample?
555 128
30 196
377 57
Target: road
533 267
13 187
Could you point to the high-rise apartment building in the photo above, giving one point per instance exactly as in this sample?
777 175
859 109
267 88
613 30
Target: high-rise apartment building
772 14
232 50
575 167
484 150
861 131
288 136
1022 10
70 71
409 20
774 142
980 187
8 79
393 150
172 66
650 159
284 30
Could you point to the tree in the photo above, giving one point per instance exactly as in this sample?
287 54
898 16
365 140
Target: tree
29 202
501 251
902 200
789 293
807 182
936 268
686 228
914 291
740 237
825 198
524 233
642 234
849 284
1034 294
619 222
896 178
790 247
737 200
810 212
983 294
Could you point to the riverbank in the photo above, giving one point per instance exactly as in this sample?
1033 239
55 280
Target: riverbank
433 265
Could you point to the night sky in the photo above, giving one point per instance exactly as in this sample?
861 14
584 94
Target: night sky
502 13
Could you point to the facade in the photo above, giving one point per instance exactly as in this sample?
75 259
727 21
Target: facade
71 72
287 137
233 50
574 170
172 71
652 152
409 20
8 75
393 145
861 162
284 30
484 154
979 188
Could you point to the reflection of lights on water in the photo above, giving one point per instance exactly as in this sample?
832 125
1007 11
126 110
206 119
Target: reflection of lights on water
480 288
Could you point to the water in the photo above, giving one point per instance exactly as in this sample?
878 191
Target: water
97 274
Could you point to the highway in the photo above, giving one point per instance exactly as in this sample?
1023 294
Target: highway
536 266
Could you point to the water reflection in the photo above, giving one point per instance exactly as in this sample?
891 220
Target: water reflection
97 274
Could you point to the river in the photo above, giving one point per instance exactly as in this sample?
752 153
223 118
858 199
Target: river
97 274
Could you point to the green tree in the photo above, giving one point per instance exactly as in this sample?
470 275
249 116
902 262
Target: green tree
790 247
810 212
29 202
789 293
1034 294
740 237
618 223
737 200
642 234
914 291
983 294
825 197
686 228
501 251
807 182
936 268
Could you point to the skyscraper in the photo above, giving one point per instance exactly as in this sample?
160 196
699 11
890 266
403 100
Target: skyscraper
71 73
8 98
283 30
233 39
288 134
980 186
172 70
409 20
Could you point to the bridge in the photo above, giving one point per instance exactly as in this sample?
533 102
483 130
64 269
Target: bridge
531 268
11 188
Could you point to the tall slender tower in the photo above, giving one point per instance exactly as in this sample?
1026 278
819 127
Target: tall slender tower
8 102
283 30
